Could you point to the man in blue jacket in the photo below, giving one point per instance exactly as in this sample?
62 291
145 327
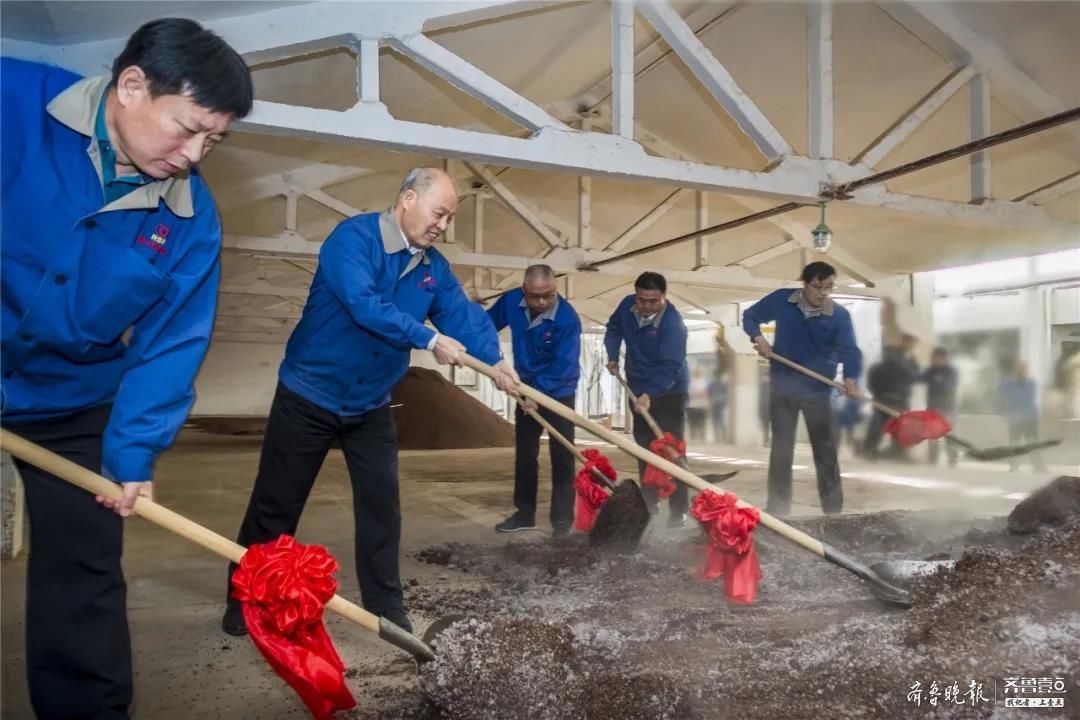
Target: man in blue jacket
379 279
110 272
816 333
656 370
1019 403
546 336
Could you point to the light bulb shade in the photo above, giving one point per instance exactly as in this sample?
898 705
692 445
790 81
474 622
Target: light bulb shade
822 236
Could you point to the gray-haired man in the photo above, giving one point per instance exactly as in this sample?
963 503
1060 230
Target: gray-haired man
379 279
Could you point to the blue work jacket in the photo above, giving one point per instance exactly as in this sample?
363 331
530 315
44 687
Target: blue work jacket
547 348
365 313
655 350
102 303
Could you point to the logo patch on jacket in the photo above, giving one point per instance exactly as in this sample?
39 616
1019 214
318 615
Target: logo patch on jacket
157 240
427 282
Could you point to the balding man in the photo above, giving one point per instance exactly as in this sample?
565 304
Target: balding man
546 336
379 279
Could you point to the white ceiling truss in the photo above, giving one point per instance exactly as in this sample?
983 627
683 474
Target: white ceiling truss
570 137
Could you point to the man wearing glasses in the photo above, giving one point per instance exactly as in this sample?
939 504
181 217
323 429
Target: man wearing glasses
546 336
655 337
816 333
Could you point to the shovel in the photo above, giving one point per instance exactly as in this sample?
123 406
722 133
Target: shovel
621 521
180 525
659 432
879 586
993 453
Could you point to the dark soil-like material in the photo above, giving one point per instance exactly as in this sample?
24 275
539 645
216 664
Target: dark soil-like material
435 414
562 630
1050 506
621 520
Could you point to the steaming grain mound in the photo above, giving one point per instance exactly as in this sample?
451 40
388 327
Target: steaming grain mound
642 636
504 670
437 415
632 697
1050 506
996 605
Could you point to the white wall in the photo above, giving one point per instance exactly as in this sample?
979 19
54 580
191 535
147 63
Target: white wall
237 379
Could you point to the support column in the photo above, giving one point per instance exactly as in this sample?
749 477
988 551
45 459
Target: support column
1035 340
743 387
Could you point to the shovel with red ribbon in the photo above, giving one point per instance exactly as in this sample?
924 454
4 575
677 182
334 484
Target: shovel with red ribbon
284 587
911 427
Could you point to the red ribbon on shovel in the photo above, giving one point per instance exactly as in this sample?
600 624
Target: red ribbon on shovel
284 586
913 426
670 448
590 496
731 553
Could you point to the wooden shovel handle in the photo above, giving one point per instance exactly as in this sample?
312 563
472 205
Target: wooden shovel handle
679 473
561 439
828 381
653 425
165 518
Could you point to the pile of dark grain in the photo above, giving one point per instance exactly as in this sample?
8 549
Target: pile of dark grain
567 631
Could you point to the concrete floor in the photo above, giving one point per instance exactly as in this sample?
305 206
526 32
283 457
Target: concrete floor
186 668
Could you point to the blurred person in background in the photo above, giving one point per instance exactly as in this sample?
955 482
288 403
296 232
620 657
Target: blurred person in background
697 405
718 394
941 381
1018 402
889 382
848 413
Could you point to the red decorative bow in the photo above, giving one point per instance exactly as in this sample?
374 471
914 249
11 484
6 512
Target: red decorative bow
731 553
914 426
590 496
669 448
284 586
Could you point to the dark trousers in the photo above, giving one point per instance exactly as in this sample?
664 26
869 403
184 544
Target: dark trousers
876 429
950 449
527 469
820 425
78 648
696 418
1023 432
298 436
718 422
669 412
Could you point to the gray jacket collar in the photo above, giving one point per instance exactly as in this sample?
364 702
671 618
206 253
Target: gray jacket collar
548 314
77 107
796 298
655 322
393 240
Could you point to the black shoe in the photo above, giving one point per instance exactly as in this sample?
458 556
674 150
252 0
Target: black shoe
560 531
233 621
516 522
399 618
676 520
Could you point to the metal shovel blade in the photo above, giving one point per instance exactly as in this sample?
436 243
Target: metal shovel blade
903 573
1008 451
438 627
621 521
